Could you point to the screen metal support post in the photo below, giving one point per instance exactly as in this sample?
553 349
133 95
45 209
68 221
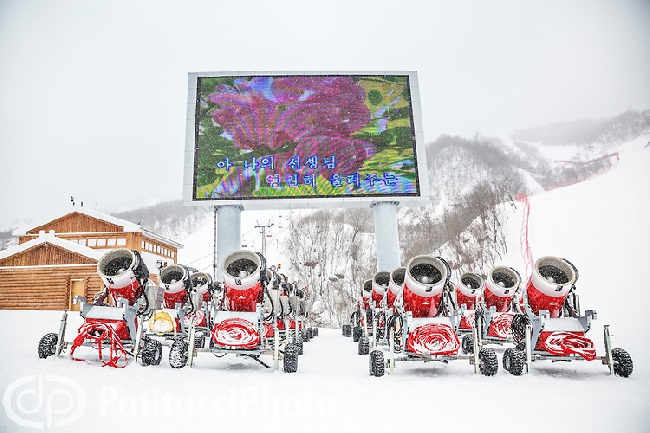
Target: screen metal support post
386 236
228 233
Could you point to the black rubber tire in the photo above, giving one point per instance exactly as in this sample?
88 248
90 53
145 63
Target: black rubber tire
299 344
151 352
290 361
47 345
376 363
199 341
467 344
514 361
488 362
315 332
178 354
357 332
518 326
347 330
623 365
364 345
305 335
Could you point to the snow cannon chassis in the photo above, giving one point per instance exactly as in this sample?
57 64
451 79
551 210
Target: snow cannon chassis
237 323
120 328
431 333
558 334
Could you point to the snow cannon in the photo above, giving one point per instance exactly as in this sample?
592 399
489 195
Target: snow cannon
366 294
242 274
551 281
500 288
424 281
379 286
201 284
124 274
468 294
395 285
469 290
175 280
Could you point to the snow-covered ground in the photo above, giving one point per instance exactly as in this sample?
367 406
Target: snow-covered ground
600 225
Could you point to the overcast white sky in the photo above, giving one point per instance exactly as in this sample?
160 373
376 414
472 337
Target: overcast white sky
93 94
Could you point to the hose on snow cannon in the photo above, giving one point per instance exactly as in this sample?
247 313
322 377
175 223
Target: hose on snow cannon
500 288
395 285
175 280
549 285
469 289
243 272
424 281
124 274
379 286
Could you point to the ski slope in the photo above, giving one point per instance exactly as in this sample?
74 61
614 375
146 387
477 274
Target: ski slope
599 225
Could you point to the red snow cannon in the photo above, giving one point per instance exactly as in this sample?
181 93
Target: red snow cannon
241 275
201 284
379 286
469 290
124 274
395 285
366 294
175 279
424 281
500 288
551 281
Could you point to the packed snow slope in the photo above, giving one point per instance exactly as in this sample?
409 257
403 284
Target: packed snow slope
600 225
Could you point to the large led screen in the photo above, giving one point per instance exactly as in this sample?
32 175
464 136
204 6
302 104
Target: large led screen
259 137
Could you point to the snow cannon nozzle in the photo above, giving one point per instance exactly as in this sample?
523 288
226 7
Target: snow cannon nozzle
123 272
380 286
469 289
243 272
395 285
551 281
424 281
501 286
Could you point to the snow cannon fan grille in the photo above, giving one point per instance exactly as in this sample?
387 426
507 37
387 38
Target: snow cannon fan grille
424 281
552 280
501 287
123 273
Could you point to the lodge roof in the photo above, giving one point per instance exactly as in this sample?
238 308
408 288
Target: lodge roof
127 226
51 238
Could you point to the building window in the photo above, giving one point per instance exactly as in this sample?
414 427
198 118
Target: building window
112 242
121 241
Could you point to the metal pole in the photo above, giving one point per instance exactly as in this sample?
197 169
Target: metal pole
386 235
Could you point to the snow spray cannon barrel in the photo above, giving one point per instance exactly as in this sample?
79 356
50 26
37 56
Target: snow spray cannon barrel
395 285
366 294
501 286
201 283
241 276
379 286
175 279
469 290
550 284
424 281
124 273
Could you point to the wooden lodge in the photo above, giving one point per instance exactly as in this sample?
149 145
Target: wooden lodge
56 258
